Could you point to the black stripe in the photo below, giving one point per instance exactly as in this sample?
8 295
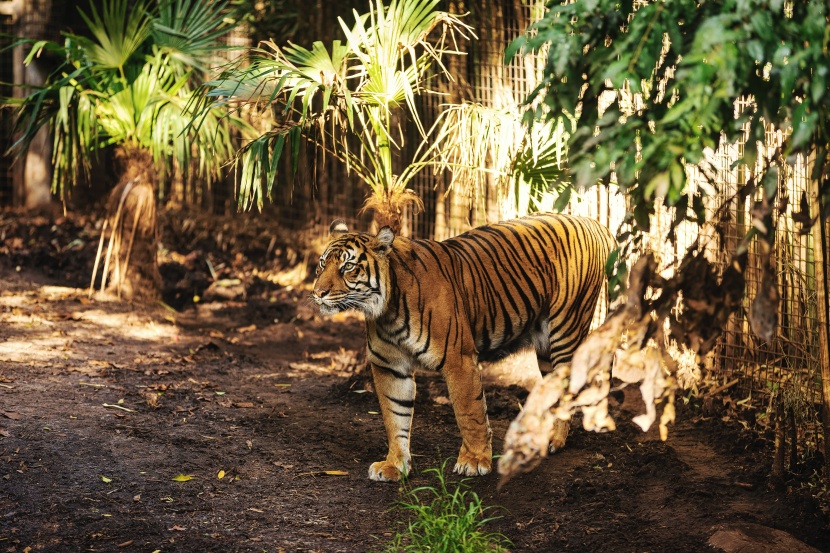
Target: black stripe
441 363
393 372
376 354
425 347
402 402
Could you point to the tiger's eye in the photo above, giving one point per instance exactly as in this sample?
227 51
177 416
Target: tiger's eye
348 266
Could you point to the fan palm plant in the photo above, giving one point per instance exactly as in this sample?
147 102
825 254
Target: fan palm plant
345 98
126 86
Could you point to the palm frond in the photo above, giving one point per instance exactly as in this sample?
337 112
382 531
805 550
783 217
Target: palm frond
117 88
119 31
479 144
189 30
539 169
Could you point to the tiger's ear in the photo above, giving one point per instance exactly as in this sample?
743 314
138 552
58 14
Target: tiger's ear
385 237
338 227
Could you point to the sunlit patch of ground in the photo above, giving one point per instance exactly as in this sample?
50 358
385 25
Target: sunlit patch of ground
52 323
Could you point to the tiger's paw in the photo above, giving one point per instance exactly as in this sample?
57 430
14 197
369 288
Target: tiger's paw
469 464
384 471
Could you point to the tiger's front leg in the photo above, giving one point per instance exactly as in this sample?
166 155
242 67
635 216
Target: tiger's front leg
395 388
467 396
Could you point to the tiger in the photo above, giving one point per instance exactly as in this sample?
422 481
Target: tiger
448 305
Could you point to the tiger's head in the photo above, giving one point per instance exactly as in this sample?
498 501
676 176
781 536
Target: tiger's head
353 272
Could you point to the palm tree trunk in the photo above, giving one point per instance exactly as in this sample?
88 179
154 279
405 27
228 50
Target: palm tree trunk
37 172
129 262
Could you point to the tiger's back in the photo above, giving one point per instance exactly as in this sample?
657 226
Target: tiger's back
448 305
530 281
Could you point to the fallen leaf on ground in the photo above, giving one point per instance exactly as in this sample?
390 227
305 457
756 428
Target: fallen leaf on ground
336 472
221 474
12 415
244 329
118 407
105 479
244 404
126 543
183 478
178 528
70 316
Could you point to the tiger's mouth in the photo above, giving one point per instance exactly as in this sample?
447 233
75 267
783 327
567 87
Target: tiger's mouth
330 306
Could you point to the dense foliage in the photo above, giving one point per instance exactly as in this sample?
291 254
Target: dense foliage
126 83
679 68
349 98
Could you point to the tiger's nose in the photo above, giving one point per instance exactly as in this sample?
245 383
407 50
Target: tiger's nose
321 293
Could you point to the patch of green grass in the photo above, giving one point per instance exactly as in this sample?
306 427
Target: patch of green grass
445 519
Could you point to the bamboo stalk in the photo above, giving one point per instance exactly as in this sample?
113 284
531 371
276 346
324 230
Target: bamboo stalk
793 430
777 473
819 245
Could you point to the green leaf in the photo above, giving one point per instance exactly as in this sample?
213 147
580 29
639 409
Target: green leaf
770 182
563 199
804 125
611 262
641 214
755 49
818 84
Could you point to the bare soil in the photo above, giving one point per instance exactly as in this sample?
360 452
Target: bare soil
250 399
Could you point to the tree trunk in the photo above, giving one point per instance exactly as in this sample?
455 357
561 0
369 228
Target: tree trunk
34 186
130 265
37 172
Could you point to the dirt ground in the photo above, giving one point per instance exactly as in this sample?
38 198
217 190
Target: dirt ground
245 397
